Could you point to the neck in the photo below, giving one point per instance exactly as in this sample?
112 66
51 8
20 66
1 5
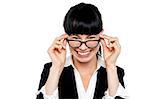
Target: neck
86 68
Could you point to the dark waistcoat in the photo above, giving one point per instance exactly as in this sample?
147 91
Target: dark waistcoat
67 84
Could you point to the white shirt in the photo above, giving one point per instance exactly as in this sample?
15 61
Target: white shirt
89 93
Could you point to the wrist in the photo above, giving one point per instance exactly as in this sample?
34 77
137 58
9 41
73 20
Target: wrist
111 67
56 68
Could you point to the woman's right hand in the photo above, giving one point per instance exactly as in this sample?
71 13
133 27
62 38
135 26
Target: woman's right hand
57 51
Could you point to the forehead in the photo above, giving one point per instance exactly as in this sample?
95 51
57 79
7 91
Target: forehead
83 35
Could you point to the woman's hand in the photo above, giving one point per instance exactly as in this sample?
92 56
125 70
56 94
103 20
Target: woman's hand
111 50
57 51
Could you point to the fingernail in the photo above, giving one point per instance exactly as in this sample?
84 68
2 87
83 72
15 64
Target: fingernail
64 47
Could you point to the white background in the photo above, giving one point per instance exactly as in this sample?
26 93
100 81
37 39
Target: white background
27 28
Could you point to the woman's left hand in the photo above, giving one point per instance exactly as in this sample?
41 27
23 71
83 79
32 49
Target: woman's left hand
111 49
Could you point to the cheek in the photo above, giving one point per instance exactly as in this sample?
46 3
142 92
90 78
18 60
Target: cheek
95 50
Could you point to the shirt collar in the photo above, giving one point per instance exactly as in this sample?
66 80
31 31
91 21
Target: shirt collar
100 62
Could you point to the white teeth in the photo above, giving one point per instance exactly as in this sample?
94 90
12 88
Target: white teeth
85 53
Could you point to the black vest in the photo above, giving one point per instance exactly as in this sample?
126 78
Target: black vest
67 85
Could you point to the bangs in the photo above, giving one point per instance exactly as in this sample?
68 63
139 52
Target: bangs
83 19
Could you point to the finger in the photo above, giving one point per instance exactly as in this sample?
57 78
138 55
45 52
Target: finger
64 43
111 40
63 36
108 40
114 40
61 43
108 37
104 36
55 47
103 42
58 42
110 46
116 46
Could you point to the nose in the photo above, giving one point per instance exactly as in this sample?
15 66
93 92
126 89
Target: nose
83 46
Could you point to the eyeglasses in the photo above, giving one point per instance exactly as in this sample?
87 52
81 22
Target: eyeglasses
78 43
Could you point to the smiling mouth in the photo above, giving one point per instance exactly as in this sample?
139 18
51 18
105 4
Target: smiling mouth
83 53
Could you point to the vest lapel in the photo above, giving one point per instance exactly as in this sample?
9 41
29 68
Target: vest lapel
101 84
67 85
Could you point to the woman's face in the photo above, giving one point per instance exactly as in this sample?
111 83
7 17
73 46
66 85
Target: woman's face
85 51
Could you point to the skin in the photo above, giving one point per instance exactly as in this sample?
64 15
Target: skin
111 53
86 65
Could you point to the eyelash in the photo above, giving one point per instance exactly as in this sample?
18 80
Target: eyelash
75 37
91 37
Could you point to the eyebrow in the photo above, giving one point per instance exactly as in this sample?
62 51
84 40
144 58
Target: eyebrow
87 36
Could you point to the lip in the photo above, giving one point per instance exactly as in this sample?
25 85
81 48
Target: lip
83 54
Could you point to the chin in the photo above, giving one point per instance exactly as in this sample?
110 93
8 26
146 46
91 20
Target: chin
84 60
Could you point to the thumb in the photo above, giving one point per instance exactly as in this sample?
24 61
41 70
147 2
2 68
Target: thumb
64 43
103 42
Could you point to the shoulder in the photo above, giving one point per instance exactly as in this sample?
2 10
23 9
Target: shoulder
47 65
120 71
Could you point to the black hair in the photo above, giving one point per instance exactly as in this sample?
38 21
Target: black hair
83 19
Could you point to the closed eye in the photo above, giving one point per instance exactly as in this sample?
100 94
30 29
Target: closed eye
91 37
74 38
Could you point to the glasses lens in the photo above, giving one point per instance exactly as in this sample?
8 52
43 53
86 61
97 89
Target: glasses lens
74 44
89 43
92 44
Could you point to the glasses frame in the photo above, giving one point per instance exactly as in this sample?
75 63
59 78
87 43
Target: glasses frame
81 42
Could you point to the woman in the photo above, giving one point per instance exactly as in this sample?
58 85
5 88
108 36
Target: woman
87 73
